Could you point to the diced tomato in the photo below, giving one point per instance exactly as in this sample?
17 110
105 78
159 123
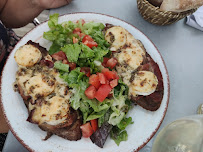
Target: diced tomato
104 70
90 92
78 33
72 65
81 35
110 75
105 59
77 30
75 40
111 63
91 44
116 75
94 80
87 130
103 92
86 70
83 21
114 83
59 56
88 40
102 78
65 61
94 124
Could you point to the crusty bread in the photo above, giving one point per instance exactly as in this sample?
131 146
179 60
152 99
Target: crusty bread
180 5
156 2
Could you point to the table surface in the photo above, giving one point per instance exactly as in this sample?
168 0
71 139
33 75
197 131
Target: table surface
179 45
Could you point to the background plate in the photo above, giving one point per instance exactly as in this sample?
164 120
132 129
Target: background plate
145 125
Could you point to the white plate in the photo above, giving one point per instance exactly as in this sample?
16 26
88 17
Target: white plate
145 125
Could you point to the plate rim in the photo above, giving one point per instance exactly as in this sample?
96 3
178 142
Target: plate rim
167 76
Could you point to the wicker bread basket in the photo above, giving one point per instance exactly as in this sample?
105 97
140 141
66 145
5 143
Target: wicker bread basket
155 16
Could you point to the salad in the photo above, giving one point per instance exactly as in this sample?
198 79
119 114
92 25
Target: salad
83 58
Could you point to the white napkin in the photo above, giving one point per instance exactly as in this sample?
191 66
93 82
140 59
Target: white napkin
196 19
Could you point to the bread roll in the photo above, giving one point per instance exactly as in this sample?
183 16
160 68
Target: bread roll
156 2
180 5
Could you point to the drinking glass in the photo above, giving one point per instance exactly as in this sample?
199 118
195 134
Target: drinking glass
182 135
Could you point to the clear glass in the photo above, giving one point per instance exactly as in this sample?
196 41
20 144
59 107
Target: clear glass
183 135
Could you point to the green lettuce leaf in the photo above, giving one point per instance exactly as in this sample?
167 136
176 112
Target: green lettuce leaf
69 25
85 109
99 106
73 77
49 36
118 135
99 53
75 99
86 52
60 66
119 106
53 20
104 118
95 115
95 31
78 95
54 48
116 117
58 34
72 52
124 123
79 83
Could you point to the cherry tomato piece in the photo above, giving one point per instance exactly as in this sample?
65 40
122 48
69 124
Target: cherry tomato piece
77 30
116 75
90 92
87 130
83 21
105 59
81 35
88 40
103 92
111 63
94 124
110 75
102 78
75 40
94 80
114 83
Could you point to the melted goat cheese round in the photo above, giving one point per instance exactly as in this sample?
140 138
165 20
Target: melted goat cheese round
116 36
53 111
39 86
133 57
144 83
27 55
